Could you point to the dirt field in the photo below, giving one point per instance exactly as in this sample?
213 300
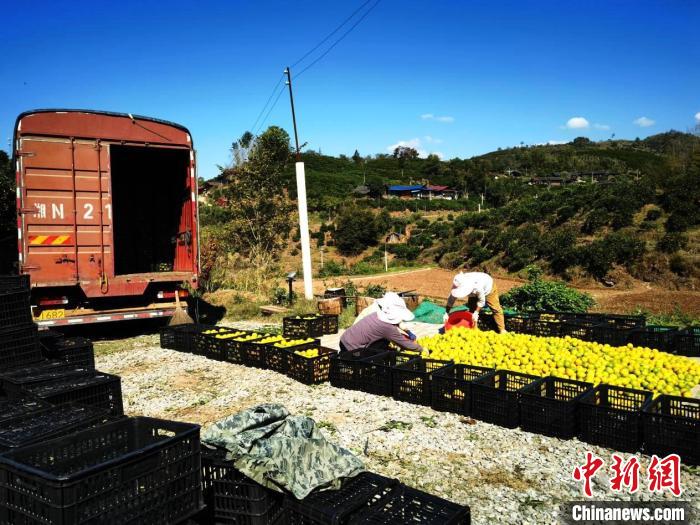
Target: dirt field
436 282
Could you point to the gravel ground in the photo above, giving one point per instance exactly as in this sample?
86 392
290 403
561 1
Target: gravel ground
505 476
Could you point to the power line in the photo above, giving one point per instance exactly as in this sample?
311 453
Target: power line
262 123
339 39
266 103
331 33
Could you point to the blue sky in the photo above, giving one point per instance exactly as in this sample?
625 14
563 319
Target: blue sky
455 77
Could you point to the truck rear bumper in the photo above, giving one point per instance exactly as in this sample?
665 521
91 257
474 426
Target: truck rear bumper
108 317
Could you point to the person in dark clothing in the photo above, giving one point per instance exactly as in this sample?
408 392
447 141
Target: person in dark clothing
377 329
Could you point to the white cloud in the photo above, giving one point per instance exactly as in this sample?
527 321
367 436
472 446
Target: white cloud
577 123
603 127
644 122
415 144
432 140
697 117
429 116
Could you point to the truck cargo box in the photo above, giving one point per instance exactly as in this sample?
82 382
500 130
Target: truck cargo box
107 213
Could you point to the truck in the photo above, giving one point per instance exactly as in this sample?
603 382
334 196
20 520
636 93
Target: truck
107 217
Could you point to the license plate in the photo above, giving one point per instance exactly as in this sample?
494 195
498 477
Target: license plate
58 313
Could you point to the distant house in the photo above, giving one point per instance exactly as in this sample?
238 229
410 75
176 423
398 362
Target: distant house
361 191
405 192
395 238
432 191
550 180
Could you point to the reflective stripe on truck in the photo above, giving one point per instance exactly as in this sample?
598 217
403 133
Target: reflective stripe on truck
99 318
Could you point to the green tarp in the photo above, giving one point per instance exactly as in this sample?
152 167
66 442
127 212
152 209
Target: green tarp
282 452
429 312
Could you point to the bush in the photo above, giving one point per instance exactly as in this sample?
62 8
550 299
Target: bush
621 248
671 242
451 260
653 215
332 268
355 231
478 254
404 251
546 295
680 265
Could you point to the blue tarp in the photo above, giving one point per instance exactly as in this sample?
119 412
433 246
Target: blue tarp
407 188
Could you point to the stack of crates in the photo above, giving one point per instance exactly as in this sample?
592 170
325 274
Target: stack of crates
19 342
63 433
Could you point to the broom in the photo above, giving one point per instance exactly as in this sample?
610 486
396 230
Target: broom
180 316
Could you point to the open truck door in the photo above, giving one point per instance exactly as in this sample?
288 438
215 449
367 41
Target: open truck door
107 214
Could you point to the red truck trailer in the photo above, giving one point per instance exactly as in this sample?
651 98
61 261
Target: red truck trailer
106 214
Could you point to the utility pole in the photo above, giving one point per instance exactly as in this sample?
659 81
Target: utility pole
301 201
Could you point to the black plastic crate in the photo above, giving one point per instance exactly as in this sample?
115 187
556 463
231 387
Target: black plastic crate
549 406
200 338
134 470
451 388
233 498
211 343
234 348
654 336
579 329
671 425
408 505
610 416
48 340
331 507
330 324
16 382
48 423
99 390
77 351
253 352
310 370
19 346
15 308
495 397
610 334
375 375
543 327
621 321
180 337
347 369
411 381
687 342
12 408
14 282
277 358
302 327
517 322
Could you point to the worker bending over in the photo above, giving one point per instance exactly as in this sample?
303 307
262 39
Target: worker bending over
480 290
376 329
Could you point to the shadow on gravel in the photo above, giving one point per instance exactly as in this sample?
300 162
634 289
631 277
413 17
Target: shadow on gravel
197 308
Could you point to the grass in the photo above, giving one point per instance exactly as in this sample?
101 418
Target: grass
675 318
395 425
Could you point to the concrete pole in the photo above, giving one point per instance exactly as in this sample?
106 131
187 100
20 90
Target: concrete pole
304 231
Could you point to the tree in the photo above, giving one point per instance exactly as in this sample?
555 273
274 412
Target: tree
355 230
258 205
356 157
404 153
582 141
431 167
8 215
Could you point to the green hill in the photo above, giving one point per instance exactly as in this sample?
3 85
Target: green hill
583 210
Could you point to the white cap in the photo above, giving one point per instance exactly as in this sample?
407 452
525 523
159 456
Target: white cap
461 286
392 309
